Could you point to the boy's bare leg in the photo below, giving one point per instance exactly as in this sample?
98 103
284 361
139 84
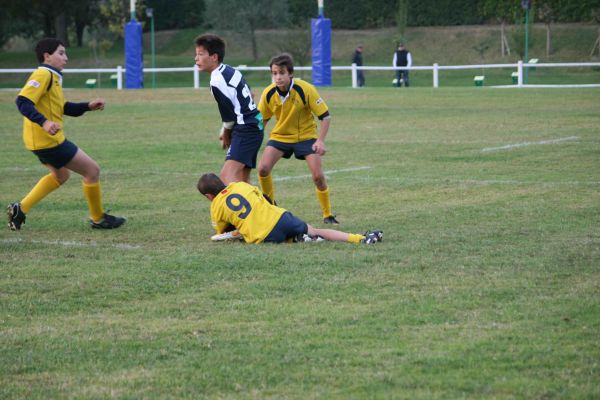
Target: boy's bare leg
233 171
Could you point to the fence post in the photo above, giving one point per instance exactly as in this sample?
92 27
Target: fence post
196 77
436 76
119 78
520 70
354 76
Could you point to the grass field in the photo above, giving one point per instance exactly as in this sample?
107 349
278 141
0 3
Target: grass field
487 283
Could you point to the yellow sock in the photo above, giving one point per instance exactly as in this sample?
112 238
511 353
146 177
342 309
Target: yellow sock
323 197
355 237
266 185
94 199
43 188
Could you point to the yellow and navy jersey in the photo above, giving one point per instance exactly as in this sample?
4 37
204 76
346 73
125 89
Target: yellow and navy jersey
244 206
293 110
44 89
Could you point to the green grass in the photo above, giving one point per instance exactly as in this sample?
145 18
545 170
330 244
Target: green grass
486 284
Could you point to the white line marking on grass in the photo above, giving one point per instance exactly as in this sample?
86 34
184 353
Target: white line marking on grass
516 145
413 181
334 171
71 243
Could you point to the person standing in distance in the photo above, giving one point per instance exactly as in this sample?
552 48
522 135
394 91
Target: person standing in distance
357 58
242 131
402 58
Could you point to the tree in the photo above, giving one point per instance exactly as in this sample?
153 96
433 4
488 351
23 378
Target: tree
596 17
402 18
547 15
238 15
297 42
177 14
115 14
502 11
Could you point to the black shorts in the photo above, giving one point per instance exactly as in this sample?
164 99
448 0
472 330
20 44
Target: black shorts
244 148
288 226
58 156
300 149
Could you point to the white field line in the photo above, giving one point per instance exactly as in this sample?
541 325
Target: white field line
331 172
413 181
112 172
72 243
516 145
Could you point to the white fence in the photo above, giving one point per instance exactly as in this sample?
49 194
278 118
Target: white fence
435 68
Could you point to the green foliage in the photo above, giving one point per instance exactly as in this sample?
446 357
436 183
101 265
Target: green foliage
238 16
443 12
116 13
402 18
176 15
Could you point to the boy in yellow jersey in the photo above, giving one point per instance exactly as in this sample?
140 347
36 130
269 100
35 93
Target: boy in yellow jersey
293 102
42 103
245 207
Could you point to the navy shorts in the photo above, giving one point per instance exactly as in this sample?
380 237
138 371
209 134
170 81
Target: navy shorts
58 156
244 148
300 149
287 227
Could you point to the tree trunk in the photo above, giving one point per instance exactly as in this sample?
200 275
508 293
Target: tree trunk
48 26
60 27
504 40
79 28
548 41
597 44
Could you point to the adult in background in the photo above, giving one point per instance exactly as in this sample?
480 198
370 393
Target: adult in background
402 58
357 58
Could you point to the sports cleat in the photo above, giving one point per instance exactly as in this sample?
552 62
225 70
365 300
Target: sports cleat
108 222
373 237
305 238
16 217
330 220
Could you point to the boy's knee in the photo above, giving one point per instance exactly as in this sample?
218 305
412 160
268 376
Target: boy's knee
264 171
93 173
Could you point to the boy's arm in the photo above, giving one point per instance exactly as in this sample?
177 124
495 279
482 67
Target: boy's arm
28 110
319 145
225 137
77 109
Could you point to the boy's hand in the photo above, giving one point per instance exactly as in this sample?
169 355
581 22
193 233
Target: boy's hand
319 147
51 127
225 138
97 104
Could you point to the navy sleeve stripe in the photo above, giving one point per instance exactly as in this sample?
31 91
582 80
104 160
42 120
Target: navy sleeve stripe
75 109
270 94
300 93
27 108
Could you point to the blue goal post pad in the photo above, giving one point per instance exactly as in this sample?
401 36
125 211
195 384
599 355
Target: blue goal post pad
321 51
134 59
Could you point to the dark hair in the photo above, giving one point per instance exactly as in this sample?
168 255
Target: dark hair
213 44
47 45
283 60
210 184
